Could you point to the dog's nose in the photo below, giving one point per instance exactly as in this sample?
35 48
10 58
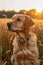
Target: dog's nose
9 25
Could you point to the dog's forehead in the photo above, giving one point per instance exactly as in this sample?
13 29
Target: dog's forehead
16 16
19 15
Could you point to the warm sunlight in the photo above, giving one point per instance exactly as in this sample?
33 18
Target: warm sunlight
38 10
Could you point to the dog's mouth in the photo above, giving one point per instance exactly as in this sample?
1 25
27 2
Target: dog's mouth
15 29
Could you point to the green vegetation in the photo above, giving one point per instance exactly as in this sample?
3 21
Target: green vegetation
33 13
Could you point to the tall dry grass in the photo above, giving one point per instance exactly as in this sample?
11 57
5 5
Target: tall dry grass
6 42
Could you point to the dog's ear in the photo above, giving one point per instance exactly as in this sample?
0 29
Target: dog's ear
28 21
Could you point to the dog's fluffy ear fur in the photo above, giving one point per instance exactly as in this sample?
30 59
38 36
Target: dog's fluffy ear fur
28 21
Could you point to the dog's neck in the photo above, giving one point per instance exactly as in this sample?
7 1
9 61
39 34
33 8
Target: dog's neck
24 34
23 38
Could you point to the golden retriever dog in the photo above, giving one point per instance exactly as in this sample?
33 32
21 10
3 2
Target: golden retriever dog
25 50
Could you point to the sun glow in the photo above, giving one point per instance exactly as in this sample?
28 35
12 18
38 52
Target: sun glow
38 10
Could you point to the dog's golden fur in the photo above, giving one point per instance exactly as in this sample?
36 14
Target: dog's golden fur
20 24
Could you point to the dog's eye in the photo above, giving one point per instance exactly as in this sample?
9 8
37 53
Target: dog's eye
18 19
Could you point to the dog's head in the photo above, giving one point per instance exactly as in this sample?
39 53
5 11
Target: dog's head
20 22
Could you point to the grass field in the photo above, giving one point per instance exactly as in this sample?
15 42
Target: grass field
6 43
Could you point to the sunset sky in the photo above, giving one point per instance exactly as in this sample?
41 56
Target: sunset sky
21 4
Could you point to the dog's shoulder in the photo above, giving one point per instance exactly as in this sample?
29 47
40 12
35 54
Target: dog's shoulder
33 43
33 36
33 40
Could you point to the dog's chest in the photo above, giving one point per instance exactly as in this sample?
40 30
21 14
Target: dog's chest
23 43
